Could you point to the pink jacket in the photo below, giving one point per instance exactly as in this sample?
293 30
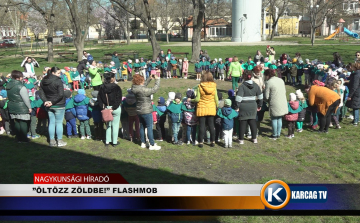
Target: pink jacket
185 66
291 117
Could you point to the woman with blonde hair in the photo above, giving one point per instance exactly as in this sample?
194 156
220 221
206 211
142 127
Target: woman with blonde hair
207 102
235 71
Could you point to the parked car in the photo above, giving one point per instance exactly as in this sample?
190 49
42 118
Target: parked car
67 39
11 41
6 44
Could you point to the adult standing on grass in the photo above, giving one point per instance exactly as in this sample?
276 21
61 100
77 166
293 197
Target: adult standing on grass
258 57
19 105
353 100
327 102
207 102
162 55
235 71
95 76
275 94
337 60
116 60
110 97
52 94
81 67
249 99
144 108
84 57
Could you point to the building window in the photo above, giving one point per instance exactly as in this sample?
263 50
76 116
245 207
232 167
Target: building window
267 26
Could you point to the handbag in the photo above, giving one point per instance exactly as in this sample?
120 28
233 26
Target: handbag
106 113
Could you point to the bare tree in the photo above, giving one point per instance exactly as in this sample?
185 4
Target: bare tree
334 15
182 14
36 23
17 16
80 18
277 8
167 15
47 11
318 10
143 12
199 9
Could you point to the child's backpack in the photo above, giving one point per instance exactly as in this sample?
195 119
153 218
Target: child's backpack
293 70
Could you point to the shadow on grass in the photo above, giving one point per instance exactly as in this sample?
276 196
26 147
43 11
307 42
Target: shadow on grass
21 161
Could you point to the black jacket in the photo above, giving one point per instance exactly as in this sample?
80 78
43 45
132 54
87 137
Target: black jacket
52 89
81 66
4 112
354 90
114 94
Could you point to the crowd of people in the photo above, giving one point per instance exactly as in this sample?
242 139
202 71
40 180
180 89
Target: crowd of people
33 105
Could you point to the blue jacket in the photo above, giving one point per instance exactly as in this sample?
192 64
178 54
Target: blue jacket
174 112
227 114
81 106
161 108
70 112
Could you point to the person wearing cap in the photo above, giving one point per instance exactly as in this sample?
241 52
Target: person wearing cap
227 115
235 72
275 95
207 102
175 114
70 116
144 107
353 100
81 104
292 116
94 72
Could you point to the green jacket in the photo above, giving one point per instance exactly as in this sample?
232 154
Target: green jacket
164 65
157 110
116 61
16 104
70 104
95 77
37 103
198 65
303 105
235 69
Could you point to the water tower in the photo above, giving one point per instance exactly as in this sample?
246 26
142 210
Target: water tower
246 20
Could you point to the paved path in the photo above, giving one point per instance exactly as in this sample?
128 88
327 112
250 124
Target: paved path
261 43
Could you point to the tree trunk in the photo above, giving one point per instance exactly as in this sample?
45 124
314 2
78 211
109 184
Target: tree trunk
313 30
50 42
79 49
155 45
196 44
273 31
167 36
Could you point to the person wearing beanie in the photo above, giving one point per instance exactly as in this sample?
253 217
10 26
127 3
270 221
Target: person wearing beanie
130 69
161 117
137 66
293 115
70 116
227 115
95 109
130 107
190 119
185 67
302 103
221 68
175 114
81 104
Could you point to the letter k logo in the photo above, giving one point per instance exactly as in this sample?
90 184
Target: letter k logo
271 194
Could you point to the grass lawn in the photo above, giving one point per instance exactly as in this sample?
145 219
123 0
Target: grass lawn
318 40
307 158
